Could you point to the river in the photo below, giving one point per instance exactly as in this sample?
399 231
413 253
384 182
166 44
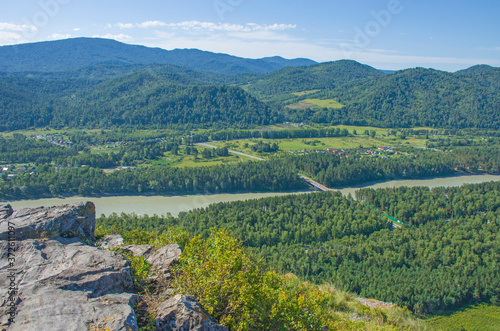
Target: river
161 205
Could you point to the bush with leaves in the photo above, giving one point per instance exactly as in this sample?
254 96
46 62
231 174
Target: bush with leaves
237 291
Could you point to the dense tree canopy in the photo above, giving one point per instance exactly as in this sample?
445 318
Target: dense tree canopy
447 257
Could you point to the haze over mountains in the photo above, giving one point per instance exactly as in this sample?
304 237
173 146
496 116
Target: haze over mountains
89 82
72 54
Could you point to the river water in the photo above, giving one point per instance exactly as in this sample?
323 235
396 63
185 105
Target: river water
161 205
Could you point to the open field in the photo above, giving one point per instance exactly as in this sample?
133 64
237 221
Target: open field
361 141
190 162
299 94
281 126
475 318
312 103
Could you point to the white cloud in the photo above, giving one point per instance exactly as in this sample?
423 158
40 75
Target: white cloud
57 36
122 25
76 29
8 37
17 27
208 26
152 24
119 37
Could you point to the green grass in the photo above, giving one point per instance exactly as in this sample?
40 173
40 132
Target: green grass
313 103
480 317
323 143
190 162
275 127
238 145
299 94
328 103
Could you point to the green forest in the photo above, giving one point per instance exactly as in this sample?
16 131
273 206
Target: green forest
149 96
418 97
448 255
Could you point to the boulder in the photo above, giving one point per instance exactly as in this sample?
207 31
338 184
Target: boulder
52 278
160 259
163 258
181 312
64 284
110 242
138 250
70 220
55 283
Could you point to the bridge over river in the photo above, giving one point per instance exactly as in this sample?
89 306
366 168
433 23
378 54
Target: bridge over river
321 187
315 184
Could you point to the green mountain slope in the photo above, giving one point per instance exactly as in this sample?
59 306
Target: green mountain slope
421 97
321 76
139 100
71 54
107 71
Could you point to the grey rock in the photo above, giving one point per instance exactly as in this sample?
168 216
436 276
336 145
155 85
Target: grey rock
138 250
5 211
183 313
75 220
110 242
163 258
64 284
160 259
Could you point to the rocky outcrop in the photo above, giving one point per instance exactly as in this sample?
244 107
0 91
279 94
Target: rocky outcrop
52 277
184 313
163 258
110 242
138 250
160 260
48 223
56 283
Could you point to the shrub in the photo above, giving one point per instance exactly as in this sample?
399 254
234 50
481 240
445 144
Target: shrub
237 291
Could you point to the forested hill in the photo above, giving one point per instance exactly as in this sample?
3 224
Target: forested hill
316 77
422 97
138 100
477 69
103 72
97 82
72 54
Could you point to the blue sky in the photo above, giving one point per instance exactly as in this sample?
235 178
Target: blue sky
387 34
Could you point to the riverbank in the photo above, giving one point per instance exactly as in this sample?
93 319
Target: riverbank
162 205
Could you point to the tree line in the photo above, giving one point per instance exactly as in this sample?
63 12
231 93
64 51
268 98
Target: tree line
50 181
446 258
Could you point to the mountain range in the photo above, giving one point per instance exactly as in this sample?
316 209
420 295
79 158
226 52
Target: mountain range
90 82
77 53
